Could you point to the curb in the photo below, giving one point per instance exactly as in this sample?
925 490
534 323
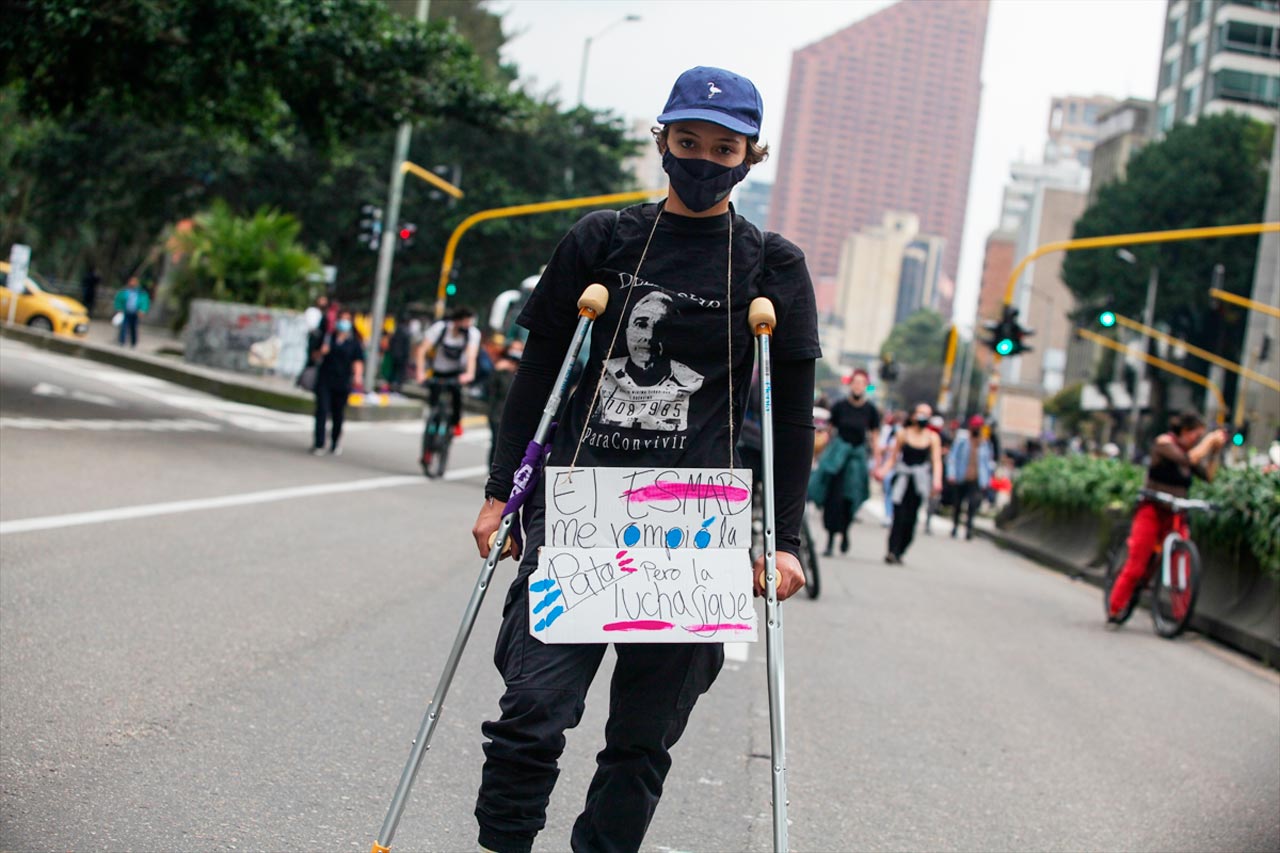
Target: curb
218 383
1259 648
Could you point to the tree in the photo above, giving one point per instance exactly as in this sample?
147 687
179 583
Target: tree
255 69
917 347
255 260
1213 172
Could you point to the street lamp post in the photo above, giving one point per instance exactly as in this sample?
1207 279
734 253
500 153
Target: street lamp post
586 52
1148 314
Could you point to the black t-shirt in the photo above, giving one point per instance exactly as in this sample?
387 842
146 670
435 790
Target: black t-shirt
664 399
335 367
853 422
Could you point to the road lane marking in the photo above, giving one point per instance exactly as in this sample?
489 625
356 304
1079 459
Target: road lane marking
116 424
464 473
50 522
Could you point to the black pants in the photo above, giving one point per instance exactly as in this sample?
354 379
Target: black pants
967 495
455 395
653 691
128 329
331 402
904 519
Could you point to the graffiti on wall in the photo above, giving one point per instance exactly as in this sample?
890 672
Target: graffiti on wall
246 338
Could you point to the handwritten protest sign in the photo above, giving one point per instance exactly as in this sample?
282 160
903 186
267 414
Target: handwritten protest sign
648 508
645 595
644 555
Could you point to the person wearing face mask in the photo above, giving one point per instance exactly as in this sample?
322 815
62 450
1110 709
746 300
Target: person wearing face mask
916 463
671 358
856 420
341 367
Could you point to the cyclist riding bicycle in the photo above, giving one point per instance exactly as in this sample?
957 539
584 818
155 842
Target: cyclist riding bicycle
1180 454
453 345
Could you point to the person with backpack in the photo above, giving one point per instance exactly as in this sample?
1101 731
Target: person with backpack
671 358
453 347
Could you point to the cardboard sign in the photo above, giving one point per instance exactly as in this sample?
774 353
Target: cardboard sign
645 595
699 508
644 555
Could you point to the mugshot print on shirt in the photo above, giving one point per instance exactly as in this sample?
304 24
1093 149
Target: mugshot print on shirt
647 389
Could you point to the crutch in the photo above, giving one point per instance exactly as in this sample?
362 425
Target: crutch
590 306
762 319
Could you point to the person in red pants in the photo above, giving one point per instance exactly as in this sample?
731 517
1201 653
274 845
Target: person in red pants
1185 451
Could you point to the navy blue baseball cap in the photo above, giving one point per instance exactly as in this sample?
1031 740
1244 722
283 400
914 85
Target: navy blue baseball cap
715 95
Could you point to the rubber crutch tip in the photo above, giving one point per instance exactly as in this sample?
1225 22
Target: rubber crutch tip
761 313
594 299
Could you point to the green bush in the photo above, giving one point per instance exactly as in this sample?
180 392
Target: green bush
1248 500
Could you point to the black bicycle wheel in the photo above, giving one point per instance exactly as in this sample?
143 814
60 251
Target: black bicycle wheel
1115 563
809 561
1175 597
440 459
431 441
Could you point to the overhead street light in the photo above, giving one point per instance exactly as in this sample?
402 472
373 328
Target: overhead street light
586 51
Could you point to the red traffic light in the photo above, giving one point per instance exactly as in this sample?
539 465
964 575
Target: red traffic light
405 233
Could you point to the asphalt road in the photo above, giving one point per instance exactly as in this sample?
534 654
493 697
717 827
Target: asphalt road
210 640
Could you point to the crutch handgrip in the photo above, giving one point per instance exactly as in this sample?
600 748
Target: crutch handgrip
506 545
592 301
761 316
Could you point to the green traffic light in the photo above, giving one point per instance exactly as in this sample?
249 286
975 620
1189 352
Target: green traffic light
1238 439
451 289
1005 346
1107 318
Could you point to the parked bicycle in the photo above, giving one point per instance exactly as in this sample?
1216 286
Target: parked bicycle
808 550
438 431
1173 572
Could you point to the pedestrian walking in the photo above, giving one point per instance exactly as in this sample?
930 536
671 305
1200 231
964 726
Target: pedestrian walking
89 289
942 499
855 421
888 435
916 464
131 302
398 353
499 386
673 348
970 465
341 367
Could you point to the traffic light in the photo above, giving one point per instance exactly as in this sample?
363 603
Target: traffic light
1107 318
407 232
1007 337
451 289
1241 435
888 370
371 226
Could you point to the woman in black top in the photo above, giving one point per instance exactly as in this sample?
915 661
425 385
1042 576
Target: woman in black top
916 463
341 359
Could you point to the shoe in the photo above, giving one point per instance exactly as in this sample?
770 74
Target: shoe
968 534
891 559
828 552
955 531
317 451
457 430
336 450
844 544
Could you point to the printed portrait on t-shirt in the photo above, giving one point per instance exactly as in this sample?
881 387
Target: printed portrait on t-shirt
647 389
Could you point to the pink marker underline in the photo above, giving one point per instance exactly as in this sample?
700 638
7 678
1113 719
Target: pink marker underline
639 625
679 491
722 626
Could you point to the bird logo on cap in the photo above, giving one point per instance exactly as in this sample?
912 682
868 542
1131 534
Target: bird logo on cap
713 90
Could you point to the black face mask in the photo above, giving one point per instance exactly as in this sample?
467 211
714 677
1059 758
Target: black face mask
702 184
922 422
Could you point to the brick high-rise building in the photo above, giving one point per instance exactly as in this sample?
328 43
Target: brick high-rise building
881 116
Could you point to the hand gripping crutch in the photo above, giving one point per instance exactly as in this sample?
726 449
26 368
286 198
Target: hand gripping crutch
763 319
590 306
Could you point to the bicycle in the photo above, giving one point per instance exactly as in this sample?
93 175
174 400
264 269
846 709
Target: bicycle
1173 572
808 549
437 433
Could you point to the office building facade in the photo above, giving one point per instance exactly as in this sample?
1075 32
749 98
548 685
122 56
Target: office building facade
881 116
1219 56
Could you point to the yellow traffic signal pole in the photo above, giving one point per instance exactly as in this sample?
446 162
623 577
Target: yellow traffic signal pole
944 391
465 225
1163 365
1138 238
1196 351
431 178
1251 304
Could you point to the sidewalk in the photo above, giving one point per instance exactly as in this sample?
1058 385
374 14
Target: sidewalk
159 354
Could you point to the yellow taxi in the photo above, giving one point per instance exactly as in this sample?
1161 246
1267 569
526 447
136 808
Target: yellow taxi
38 308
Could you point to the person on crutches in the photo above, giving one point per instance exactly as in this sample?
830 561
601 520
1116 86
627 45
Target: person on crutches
665 384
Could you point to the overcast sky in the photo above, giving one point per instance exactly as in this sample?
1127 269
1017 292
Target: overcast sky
1035 49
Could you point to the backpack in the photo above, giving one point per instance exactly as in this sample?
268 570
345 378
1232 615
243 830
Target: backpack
484 366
